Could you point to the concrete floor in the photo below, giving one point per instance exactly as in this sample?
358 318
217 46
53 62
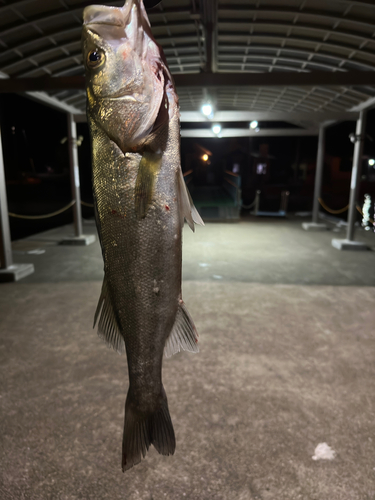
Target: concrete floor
287 361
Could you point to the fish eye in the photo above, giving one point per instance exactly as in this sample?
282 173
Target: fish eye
95 58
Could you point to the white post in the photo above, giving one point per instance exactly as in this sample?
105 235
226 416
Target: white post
315 225
6 259
79 238
356 173
74 174
319 174
349 243
8 270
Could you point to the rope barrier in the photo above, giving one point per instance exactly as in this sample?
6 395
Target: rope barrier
85 204
360 211
247 207
46 216
52 214
330 210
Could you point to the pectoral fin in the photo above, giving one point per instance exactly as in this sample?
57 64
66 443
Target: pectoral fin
148 169
187 208
108 329
183 335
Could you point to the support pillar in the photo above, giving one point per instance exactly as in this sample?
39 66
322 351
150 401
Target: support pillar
79 238
348 243
315 225
8 270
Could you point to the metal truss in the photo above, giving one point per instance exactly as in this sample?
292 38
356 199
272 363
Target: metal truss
42 37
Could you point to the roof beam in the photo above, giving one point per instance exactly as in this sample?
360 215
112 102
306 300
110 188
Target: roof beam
43 83
248 13
280 79
238 59
366 105
52 102
44 98
321 47
237 52
306 28
244 116
245 132
209 18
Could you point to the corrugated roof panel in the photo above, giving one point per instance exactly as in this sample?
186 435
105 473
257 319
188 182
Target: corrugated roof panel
175 28
362 10
8 18
56 23
33 9
39 37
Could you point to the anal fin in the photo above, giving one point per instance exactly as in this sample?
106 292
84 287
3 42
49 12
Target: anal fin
108 329
183 334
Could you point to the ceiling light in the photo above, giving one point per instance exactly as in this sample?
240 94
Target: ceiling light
371 162
257 129
253 124
216 129
205 157
206 109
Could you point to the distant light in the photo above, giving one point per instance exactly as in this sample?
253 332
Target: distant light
371 162
205 157
257 129
216 129
253 124
206 109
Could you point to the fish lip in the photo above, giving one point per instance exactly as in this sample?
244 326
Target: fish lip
118 25
126 97
121 95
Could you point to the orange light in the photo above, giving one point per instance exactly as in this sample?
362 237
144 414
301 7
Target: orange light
205 157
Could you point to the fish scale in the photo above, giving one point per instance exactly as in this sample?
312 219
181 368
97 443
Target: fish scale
140 202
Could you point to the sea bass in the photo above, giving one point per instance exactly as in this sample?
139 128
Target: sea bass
141 202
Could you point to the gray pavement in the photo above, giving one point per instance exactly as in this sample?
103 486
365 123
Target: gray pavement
287 344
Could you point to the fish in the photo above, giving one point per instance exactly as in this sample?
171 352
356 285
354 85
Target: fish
141 202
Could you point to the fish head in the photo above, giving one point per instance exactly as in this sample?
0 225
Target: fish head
126 73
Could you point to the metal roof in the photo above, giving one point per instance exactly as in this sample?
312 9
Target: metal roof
42 38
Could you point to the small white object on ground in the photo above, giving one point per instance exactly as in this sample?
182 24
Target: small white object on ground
37 251
324 452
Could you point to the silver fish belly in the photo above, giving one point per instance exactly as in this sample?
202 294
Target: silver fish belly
141 202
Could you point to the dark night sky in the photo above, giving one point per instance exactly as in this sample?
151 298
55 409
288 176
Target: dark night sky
31 135
39 129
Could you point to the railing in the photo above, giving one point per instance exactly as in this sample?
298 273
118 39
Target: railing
188 176
282 210
231 185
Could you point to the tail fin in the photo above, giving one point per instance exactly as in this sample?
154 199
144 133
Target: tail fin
140 431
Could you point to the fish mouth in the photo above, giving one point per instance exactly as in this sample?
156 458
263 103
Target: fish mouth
103 23
122 95
121 98
106 15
